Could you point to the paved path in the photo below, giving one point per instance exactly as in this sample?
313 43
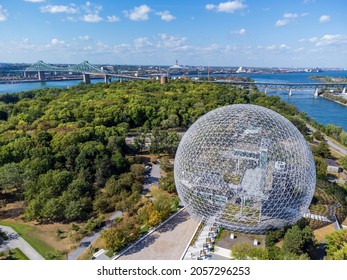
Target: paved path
167 242
87 241
154 177
16 241
340 149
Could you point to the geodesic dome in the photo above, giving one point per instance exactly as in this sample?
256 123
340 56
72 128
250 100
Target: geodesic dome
245 168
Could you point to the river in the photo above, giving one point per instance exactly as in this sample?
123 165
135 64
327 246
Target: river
322 110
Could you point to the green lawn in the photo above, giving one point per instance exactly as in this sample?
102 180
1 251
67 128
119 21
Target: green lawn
28 233
13 254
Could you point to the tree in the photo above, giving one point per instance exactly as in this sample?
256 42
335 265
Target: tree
245 251
167 183
322 149
318 135
11 177
114 238
321 167
333 130
298 241
336 245
343 162
300 124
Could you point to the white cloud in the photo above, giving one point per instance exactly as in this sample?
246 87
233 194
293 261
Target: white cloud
113 18
165 15
324 18
289 17
138 13
327 40
241 32
282 22
170 41
92 18
84 37
54 9
35 1
226 7
56 42
277 48
330 39
3 14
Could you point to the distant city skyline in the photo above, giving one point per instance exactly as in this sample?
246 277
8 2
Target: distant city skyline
268 33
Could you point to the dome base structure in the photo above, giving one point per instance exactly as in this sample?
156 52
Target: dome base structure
245 168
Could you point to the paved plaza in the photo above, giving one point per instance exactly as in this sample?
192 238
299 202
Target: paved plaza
166 243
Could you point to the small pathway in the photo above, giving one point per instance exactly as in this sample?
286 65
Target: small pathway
16 241
87 241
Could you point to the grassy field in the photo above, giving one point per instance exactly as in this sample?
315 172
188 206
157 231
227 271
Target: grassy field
13 254
30 234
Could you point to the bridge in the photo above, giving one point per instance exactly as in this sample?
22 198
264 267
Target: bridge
85 68
265 86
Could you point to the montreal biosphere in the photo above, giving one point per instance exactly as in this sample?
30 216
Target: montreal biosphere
245 168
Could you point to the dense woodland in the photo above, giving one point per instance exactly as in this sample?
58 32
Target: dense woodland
63 151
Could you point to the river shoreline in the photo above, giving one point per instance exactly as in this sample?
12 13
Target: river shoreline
326 96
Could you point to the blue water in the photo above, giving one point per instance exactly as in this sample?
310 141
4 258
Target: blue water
322 110
17 87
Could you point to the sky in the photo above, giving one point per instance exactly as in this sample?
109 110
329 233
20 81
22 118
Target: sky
258 33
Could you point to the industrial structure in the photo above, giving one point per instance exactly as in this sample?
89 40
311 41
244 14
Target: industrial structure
245 168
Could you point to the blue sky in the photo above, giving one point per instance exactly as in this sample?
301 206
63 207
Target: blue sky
295 33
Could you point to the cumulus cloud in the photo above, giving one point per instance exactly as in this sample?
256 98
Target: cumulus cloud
289 17
324 18
3 14
56 42
92 18
226 7
282 22
54 9
113 18
170 41
327 40
138 13
165 15
330 39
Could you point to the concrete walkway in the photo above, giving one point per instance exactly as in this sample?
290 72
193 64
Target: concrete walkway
87 241
165 242
16 241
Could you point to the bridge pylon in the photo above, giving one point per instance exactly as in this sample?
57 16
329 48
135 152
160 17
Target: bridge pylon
344 91
42 76
290 93
107 79
86 78
316 92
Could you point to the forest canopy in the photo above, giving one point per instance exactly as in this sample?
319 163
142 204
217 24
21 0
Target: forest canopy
64 151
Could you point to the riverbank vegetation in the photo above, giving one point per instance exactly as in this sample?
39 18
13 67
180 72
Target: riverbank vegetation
337 98
327 79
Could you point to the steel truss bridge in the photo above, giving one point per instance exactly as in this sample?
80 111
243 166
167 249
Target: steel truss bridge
290 87
85 68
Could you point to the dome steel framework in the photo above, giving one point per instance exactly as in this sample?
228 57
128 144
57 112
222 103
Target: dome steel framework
245 168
